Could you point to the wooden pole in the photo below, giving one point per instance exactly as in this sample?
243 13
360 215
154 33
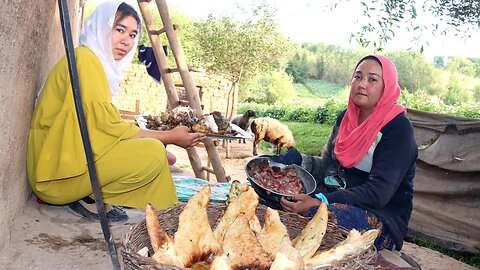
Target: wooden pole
168 81
160 56
190 88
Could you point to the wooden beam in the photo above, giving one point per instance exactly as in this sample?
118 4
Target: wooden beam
159 55
192 94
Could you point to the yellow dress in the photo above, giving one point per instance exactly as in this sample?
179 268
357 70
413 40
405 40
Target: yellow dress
131 172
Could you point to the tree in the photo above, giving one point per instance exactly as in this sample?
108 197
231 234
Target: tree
476 63
385 16
269 88
439 61
456 93
297 67
239 49
414 72
461 65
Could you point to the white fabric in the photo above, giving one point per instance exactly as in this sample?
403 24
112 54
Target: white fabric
365 164
97 35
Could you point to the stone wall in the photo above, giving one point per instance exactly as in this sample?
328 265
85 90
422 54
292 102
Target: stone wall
31 44
143 95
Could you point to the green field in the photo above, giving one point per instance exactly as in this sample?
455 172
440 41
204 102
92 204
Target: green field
309 137
321 89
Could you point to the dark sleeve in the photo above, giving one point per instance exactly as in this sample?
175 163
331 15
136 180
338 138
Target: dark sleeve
394 155
317 165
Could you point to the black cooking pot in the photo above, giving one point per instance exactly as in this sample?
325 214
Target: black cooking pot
270 197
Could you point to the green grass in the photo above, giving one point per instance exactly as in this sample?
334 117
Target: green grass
322 89
309 137
303 91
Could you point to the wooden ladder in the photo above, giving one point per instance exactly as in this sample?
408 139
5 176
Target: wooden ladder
192 95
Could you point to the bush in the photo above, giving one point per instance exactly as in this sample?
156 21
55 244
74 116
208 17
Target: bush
326 114
273 112
301 114
268 88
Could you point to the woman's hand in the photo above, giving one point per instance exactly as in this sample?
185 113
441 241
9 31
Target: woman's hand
301 203
182 137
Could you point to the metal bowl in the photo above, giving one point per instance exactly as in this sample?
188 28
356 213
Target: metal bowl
272 197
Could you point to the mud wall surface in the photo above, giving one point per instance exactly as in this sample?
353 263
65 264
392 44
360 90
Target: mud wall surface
31 44
143 94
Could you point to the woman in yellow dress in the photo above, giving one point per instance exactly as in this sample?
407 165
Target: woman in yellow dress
131 163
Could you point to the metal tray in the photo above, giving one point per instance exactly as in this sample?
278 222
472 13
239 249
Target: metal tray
141 121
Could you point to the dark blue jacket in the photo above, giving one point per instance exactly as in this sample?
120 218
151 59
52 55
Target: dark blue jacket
387 190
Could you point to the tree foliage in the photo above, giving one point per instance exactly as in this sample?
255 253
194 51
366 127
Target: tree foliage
239 48
323 62
452 80
414 72
268 88
385 16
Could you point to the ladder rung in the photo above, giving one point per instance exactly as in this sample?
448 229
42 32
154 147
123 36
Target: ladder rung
157 32
190 68
163 30
171 70
210 170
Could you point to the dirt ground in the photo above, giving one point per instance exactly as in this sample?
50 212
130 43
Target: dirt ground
53 237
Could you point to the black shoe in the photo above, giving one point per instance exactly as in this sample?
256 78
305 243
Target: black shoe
114 215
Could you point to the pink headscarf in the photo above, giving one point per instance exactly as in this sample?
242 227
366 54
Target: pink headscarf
354 140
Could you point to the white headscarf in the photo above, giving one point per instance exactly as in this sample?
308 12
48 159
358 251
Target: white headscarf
97 35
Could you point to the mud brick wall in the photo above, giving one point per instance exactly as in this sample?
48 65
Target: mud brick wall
144 95
32 45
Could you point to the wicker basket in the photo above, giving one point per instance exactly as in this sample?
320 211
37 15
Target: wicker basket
137 238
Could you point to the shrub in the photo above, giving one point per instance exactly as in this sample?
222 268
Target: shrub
274 112
328 113
268 88
301 114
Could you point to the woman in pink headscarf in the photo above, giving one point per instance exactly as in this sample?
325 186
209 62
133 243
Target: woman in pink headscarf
366 169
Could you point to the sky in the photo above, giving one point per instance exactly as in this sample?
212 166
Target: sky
314 21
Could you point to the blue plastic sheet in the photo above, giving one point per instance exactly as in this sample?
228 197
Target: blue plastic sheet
188 186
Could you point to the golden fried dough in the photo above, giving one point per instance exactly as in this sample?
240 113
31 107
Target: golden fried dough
242 247
194 240
354 245
287 257
273 232
162 242
158 236
309 240
236 189
246 203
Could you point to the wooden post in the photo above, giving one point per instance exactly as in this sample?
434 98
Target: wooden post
227 152
137 106
190 88
167 79
160 56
